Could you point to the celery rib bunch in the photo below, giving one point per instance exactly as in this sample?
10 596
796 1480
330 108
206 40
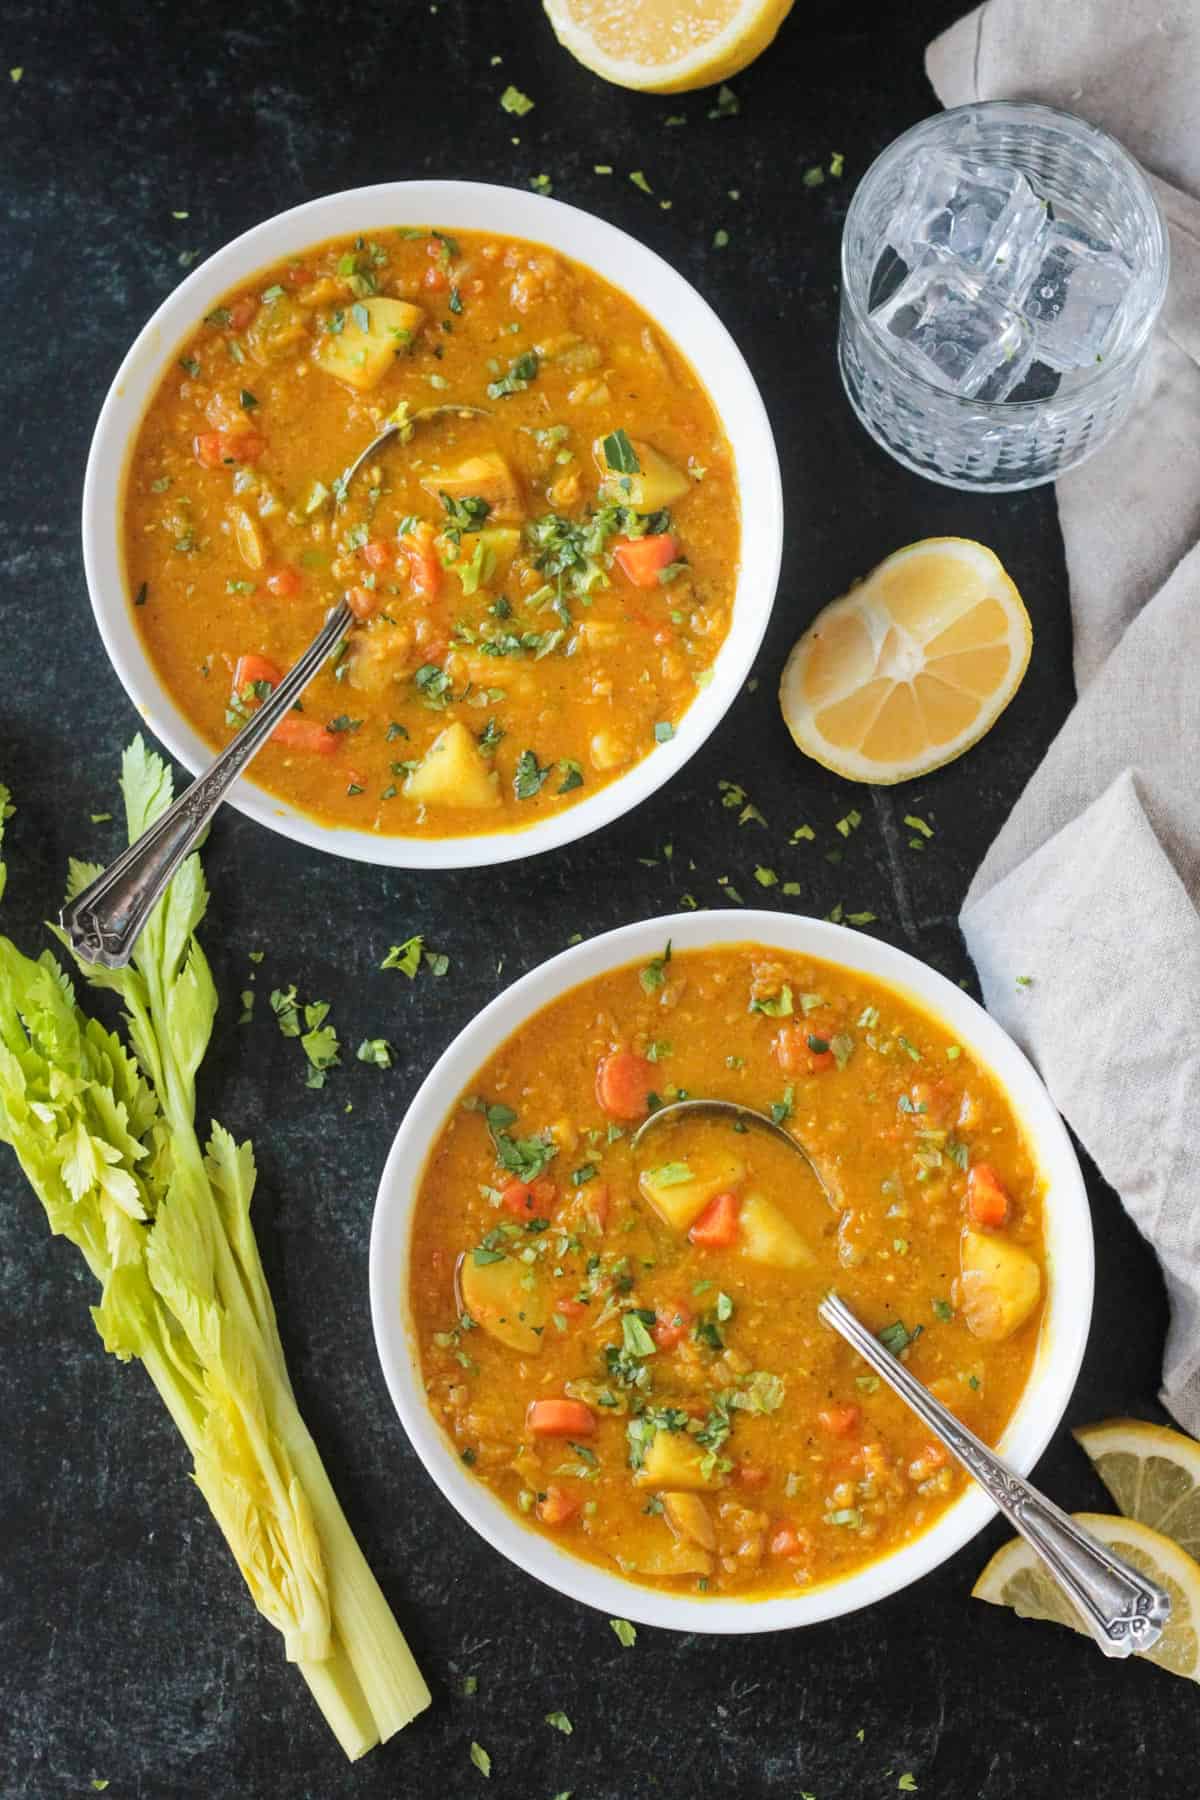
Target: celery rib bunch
106 1136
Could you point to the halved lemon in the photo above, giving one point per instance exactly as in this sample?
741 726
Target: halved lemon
666 46
1153 1474
912 666
1016 1578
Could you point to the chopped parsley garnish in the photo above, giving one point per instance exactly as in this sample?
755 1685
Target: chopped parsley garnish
467 514
521 371
406 957
375 1050
530 777
514 101
654 973
781 1110
897 1337
481 1759
727 105
560 1722
620 454
625 1632
572 775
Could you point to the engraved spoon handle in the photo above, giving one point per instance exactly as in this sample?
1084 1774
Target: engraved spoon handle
104 921
1124 1611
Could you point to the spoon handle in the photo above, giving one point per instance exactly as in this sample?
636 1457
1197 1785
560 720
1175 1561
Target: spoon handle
104 921
1124 1611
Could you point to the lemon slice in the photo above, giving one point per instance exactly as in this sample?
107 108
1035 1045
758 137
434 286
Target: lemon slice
1153 1474
1016 1578
666 46
911 667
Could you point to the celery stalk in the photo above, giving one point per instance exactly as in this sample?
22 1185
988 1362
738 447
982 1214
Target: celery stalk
107 1139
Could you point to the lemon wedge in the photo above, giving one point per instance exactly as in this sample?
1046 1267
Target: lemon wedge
911 667
1016 1578
666 46
1153 1474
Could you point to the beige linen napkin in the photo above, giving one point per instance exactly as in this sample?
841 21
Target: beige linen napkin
1092 889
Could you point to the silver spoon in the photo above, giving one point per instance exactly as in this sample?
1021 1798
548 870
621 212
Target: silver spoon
105 920
402 424
1124 1610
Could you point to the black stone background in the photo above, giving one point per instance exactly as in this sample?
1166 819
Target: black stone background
128 1649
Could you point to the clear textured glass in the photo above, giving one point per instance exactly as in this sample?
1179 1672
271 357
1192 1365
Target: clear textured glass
1002 268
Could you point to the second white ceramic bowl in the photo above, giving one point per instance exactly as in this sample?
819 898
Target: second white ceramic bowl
1069 1261
465 206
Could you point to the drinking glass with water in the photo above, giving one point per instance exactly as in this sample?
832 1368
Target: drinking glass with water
1002 268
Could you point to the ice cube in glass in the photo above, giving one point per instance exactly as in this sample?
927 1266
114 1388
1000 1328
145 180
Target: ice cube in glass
1073 300
985 214
949 329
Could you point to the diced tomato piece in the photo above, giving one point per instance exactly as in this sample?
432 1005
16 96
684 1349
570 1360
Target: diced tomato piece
717 1226
840 1420
557 1508
748 1475
285 583
935 1455
378 554
298 277
436 279
242 312
252 668
664 636
670 1326
425 571
560 1418
623 1082
295 733
640 559
787 1540
364 602
517 1198
820 1060
987 1197
571 1309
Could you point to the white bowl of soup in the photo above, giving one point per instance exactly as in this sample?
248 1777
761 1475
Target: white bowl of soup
560 577
611 1363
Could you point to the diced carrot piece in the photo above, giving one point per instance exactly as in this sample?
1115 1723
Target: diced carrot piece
840 1420
557 1508
363 602
670 1326
242 446
285 583
298 277
987 1197
545 1194
820 1060
571 1309
295 733
213 448
242 312
717 1226
251 668
640 559
517 1198
748 1475
424 568
379 554
560 1418
623 1082
787 1540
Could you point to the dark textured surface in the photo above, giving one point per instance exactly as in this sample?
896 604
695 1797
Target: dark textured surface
128 1650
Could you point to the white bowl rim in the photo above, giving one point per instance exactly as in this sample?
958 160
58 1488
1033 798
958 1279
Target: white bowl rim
1069 1256
628 264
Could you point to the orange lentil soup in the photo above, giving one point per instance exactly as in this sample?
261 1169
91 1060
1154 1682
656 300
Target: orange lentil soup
538 589
626 1350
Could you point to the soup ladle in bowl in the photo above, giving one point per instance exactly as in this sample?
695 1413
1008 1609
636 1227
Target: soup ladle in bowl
1124 1611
